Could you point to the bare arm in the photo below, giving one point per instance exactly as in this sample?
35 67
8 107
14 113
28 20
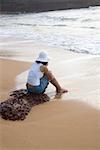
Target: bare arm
52 79
47 72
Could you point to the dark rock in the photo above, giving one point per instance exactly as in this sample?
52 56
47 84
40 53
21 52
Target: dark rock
44 5
19 105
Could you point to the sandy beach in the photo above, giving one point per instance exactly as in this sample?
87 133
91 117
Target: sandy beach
69 123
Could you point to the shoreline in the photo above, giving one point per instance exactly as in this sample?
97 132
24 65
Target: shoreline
79 70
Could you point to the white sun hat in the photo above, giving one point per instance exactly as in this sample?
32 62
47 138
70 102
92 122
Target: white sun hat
43 57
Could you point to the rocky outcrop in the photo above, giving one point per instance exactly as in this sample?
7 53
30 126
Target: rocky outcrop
20 104
44 5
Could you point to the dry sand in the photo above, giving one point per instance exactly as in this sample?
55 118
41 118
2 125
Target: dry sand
69 123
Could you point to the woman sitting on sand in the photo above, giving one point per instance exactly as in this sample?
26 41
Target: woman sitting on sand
39 76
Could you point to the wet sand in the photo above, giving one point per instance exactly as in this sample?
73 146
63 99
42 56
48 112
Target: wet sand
9 69
69 123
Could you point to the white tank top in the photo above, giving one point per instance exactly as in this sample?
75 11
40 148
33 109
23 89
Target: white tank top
35 74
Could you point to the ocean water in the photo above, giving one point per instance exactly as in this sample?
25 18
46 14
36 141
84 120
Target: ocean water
73 30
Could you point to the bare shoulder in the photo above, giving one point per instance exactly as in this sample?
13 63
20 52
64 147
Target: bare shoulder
44 68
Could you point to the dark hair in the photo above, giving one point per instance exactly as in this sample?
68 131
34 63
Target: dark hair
40 62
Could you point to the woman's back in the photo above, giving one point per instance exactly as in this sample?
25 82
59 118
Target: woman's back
35 74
